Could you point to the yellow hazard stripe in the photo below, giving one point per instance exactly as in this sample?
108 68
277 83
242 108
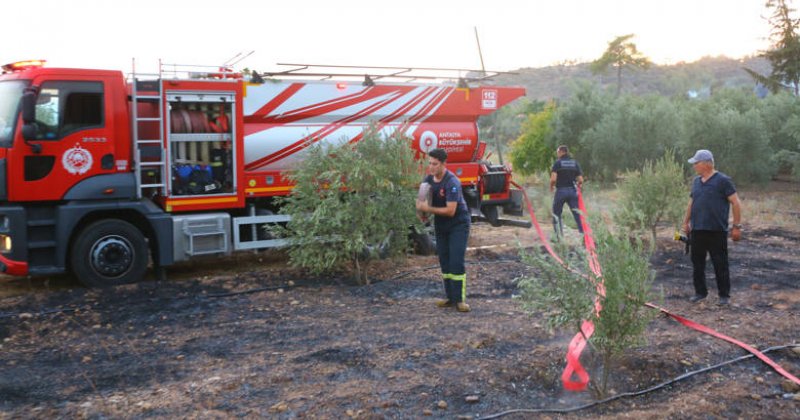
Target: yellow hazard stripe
266 189
470 179
175 203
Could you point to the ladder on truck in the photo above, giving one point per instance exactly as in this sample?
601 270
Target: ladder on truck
150 160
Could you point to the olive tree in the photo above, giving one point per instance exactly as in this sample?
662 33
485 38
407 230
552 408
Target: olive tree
656 193
731 125
781 115
351 203
574 117
566 297
635 130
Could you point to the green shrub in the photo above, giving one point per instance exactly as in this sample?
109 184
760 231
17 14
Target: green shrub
351 202
786 163
530 152
636 129
575 116
500 128
656 194
567 298
732 127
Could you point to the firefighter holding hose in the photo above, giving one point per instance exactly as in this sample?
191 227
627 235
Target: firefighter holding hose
451 219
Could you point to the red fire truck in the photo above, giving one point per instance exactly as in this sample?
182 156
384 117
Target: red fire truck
99 174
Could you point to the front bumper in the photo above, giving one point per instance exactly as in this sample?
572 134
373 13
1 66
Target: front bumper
13 224
13 268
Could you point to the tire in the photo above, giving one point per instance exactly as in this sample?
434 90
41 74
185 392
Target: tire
492 214
109 252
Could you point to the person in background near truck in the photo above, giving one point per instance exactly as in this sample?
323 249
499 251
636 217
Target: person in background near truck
565 178
713 195
451 220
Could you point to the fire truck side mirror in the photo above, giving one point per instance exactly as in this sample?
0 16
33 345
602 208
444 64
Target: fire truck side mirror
29 119
29 131
29 107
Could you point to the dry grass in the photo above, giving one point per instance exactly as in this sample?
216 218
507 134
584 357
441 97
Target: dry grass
776 207
776 204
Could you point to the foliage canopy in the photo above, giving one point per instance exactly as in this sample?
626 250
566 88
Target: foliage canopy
352 202
785 52
653 195
621 53
566 297
531 151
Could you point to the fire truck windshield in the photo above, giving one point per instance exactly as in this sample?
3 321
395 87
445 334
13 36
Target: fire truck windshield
10 95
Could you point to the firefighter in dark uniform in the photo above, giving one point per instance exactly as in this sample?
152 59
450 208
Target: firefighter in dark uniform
565 178
451 223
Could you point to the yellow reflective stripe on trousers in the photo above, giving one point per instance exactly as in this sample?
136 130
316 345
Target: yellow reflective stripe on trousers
462 278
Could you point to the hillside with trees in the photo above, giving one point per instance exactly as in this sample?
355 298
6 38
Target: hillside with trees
648 110
700 77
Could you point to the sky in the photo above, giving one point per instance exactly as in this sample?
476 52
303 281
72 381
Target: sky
108 34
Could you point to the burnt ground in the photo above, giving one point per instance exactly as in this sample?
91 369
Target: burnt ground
247 336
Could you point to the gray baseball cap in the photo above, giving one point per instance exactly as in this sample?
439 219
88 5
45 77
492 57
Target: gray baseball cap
702 155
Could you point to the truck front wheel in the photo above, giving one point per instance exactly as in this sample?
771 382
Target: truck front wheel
108 253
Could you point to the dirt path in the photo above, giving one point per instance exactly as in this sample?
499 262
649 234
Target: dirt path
298 346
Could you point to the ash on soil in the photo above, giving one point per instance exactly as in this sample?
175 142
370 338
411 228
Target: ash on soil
293 345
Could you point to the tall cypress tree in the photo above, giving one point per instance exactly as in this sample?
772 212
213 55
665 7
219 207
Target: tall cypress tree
784 56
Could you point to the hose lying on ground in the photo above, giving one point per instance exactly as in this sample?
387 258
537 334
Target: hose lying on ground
634 393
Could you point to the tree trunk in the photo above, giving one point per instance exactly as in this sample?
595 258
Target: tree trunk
653 232
360 272
608 361
356 270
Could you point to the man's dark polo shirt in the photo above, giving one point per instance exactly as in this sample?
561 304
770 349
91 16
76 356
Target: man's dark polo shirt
710 205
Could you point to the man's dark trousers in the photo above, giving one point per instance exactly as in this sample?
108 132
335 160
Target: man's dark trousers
568 195
451 246
715 243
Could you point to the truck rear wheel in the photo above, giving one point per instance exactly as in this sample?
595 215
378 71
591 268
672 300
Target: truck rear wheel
108 253
492 214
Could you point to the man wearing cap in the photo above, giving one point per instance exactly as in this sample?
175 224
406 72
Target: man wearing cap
713 195
565 178
451 223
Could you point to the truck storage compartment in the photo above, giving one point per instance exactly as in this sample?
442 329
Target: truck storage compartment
201 234
200 139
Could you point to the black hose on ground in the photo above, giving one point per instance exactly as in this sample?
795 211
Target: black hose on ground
630 394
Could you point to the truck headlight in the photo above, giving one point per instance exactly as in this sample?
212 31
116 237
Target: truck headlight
5 243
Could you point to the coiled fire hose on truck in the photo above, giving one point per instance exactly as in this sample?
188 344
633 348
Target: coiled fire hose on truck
573 365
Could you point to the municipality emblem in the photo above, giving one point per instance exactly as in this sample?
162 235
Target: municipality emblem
77 160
